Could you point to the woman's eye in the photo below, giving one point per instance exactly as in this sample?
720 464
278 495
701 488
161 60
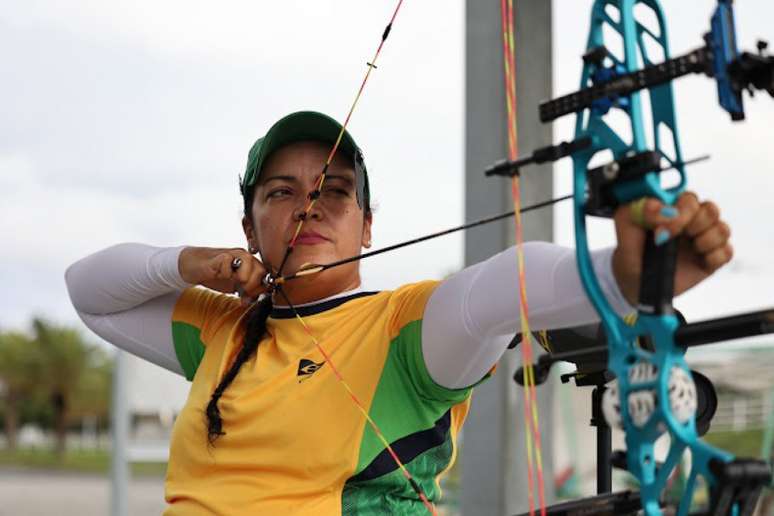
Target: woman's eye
278 192
337 191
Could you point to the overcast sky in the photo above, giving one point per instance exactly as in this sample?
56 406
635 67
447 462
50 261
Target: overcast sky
130 121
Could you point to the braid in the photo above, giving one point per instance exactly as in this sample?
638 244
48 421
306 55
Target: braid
254 332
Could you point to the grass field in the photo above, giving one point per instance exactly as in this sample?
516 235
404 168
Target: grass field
746 443
97 462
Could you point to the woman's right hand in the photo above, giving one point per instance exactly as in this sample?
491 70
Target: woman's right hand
212 268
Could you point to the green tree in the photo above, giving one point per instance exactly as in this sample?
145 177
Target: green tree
65 359
20 369
92 395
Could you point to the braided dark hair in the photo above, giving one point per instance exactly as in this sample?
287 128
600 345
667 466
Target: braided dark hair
254 332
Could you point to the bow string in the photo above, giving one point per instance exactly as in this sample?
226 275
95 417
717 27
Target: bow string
530 406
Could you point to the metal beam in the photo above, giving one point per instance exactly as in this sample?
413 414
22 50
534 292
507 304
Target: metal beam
119 429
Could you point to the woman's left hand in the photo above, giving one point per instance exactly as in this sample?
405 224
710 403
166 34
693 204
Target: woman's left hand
704 241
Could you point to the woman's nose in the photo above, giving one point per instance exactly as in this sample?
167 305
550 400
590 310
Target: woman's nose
310 208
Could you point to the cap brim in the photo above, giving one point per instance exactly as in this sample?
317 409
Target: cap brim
296 127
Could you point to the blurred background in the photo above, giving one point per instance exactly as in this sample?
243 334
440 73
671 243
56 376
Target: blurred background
131 121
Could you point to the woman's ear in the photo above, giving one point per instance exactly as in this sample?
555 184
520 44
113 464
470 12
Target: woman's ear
366 241
252 240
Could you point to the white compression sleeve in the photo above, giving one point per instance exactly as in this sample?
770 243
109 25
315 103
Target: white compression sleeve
470 318
126 294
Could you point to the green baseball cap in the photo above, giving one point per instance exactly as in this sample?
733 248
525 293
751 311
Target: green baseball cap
306 126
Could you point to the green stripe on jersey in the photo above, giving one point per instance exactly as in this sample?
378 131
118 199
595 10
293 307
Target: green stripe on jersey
189 347
390 494
407 400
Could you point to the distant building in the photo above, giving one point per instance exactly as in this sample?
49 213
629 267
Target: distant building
155 398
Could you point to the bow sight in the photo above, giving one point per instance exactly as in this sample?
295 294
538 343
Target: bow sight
612 83
654 391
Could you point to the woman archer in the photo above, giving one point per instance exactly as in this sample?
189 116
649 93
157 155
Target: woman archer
268 427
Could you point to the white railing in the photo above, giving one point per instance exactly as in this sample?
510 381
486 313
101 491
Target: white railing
740 413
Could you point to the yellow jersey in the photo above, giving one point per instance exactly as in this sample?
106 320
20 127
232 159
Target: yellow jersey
295 443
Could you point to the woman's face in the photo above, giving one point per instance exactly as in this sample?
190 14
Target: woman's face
335 228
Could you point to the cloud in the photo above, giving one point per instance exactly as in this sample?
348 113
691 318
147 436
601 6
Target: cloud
131 121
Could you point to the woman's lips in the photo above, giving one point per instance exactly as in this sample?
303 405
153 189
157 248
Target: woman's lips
310 238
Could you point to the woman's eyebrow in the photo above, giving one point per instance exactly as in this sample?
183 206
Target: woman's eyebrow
346 178
280 178
293 179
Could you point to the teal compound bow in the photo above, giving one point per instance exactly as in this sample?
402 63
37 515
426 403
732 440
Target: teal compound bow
654 392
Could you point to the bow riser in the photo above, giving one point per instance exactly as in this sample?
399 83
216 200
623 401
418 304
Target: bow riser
645 376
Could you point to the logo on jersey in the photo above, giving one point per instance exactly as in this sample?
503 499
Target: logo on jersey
306 368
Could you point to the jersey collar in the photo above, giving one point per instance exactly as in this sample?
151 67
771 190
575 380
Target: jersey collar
322 305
